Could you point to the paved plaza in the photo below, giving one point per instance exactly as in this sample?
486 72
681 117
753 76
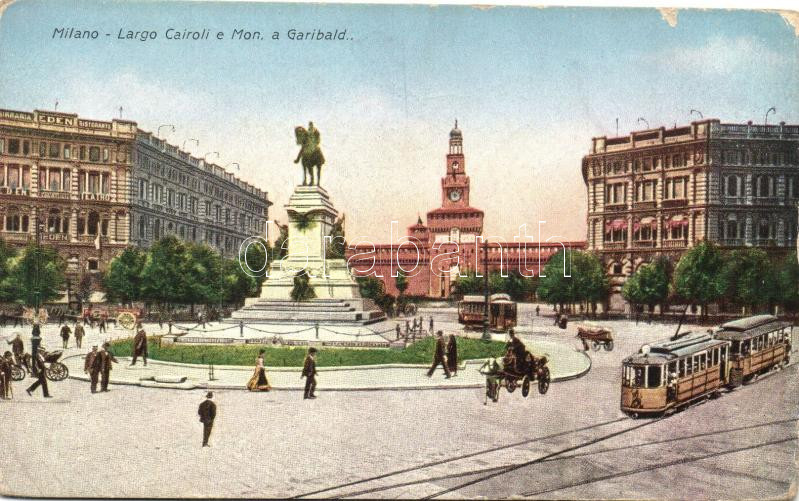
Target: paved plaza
572 443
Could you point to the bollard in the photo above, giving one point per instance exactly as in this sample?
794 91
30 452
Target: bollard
316 326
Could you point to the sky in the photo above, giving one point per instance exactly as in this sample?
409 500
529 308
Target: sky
529 87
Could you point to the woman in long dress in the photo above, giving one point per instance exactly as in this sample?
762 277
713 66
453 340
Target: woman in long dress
258 381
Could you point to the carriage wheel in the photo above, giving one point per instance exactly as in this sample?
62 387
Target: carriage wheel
526 386
543 381
17 373
57 372
609 346
511 385
126 320
596 346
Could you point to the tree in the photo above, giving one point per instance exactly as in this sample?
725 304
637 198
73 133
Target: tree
697 276
374 289
401 282
162 276
123 279
202 280
788 281
649 285
467 284
84 291
302 290
39 271
750 279
237 284
7 253
587 281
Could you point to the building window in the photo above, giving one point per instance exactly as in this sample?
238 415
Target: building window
765 186
26 147
93 223
13 146
56 223
92 264
105 154
645 190
67 151
733 186
16 222
2 146
676 188
617 269
55 150
82 151
94 154
42 149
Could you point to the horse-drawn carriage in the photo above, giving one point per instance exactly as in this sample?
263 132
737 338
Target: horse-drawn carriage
597 336
53 369
123 317
512 373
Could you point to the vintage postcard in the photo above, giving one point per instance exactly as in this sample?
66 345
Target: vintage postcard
299 250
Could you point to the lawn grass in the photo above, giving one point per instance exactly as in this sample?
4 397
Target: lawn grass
420 352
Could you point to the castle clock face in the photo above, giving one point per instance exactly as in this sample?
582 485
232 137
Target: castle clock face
455 195
455 165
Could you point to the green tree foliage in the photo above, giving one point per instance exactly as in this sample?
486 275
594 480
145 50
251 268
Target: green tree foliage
202 280
750 279
162 277
401 282
302 290
374 289
237 284
788 281
7 254
697 276
38 270
649 285
123 279
587 283
518 287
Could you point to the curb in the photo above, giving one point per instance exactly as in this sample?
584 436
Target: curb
207 386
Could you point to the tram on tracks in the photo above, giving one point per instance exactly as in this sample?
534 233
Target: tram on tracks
671 374
501 312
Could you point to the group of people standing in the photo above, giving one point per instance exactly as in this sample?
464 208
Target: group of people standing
79 333
98 365
446 354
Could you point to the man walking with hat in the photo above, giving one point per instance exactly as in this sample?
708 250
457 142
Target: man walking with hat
207 412
309 372
91 366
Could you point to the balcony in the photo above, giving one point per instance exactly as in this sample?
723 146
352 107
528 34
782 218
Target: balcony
675 244
727 200
767 201
614 245
615 207
16 236
674 202
649 204
56 195
644 244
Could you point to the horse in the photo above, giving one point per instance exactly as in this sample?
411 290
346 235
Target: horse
310 153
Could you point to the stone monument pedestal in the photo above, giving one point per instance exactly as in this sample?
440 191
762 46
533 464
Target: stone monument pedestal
338 300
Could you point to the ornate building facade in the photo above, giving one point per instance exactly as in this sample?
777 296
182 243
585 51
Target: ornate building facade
432 255
88 188
660 191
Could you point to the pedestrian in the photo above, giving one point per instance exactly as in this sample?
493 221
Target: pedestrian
79 333
407 327
399 331
17 348
414 324
139 345
65 332
309 373
258 381
106 358
537 310
91 366
38 371
200 319
207 412
452 355
431 324
5 379
103 321
439 356
241 328
161 321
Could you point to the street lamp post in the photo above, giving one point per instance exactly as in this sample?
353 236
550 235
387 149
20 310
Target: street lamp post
196 142
642 119
701 116
765 120
36 339
158 132
238 167
210 153
486 335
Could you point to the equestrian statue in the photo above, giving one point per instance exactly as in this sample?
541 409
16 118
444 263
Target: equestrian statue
310 153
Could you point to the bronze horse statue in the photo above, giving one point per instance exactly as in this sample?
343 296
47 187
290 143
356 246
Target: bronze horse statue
310 153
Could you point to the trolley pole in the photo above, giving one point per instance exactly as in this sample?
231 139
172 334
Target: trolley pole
486 335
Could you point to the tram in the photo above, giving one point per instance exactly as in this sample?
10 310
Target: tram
501 312
665 376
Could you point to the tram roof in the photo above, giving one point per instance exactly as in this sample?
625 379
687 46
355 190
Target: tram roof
738 335
744 324
671 349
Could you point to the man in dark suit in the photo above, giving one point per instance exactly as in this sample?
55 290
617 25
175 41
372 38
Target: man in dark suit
439 357
309 372
105 358
37 366
139 345
207 412
91 366
17 348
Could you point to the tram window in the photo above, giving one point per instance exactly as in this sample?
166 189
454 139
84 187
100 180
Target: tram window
702 361
682 368
639 376
745 347
654 376
628 375
716 356
689 366
736 347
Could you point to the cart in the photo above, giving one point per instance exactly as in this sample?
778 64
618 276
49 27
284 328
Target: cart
511 375
53 369
598 337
